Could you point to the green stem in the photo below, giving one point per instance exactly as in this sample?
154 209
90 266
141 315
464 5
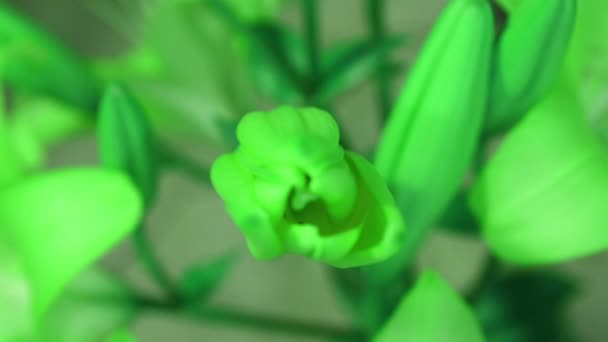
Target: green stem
152 264
311 27
375 10
272 324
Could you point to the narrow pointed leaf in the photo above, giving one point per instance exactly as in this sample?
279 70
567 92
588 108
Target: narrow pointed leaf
199 282
276 56
125 140
277 60
349 64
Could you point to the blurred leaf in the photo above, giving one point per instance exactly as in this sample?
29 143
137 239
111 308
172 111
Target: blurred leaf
49 120
348 64
34 61
276 56
10 164
509 5
125 140
15 313
277 61
526 307
122 336
586 68
546 186
182 111
256 10
431 312
94 305
91 306
186 72
38 123
59 222
199 281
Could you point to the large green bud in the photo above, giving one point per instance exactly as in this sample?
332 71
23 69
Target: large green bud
528 57
433 131
291 188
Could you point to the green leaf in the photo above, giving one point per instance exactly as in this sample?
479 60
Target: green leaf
431 312
199 281
122 336
276 56
256 10
348 64
59 222
36 62
91 307
15 313
586 69
182 36
39 123
125 140
526 307
50 121
11 166
546 186
277 59
509 5
94 305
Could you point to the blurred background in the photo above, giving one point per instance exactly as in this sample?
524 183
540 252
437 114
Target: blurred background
189 224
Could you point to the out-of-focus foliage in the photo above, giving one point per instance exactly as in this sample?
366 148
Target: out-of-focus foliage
186 71
526 307
430 312
548 182
39 123
126 141
57 223
11 165
89 309
35 62
200 280
528 55
542 198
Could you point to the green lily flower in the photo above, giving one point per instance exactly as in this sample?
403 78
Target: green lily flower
291 188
